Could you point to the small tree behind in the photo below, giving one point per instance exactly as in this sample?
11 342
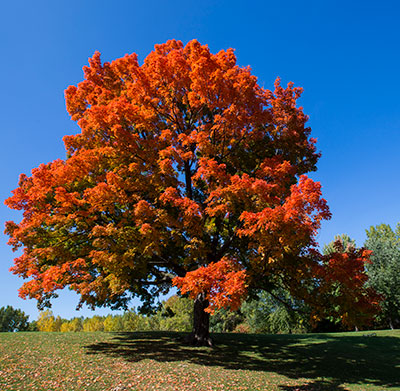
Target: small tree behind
177 314
13 319
47 322
342 269
341 243
279 313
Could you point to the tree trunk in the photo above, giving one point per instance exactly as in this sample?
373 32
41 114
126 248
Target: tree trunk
200 336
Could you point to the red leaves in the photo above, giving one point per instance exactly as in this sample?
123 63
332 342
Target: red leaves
348 268
182 161
223 282
293 223
190 210
341 289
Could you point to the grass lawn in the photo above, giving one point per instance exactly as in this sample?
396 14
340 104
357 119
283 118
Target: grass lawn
159 361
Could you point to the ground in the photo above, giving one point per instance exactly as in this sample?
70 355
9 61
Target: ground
160 361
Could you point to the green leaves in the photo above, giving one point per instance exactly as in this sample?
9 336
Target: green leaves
384 271
13 319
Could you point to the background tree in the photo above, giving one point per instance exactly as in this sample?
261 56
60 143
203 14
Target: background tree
185 168
131 320
344 287
96 323
74 325
341 243
113 323
384 271
47 322
33 326
177 314
277 313
225 321
12 319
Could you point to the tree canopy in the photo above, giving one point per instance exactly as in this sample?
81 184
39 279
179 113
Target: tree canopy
185 170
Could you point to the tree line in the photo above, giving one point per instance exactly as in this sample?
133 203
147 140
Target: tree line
266 313
175 314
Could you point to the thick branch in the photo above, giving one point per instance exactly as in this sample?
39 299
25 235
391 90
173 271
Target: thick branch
188 180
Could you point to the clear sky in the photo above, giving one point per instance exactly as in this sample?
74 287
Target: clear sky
345 54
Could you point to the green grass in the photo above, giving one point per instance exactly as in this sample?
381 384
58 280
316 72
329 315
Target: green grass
160 361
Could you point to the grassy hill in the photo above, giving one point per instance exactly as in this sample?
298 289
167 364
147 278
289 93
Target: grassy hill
159 361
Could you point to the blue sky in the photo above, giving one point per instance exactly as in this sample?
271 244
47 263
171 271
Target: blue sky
344 54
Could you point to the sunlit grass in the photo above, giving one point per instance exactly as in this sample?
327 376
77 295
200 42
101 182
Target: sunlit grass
160 361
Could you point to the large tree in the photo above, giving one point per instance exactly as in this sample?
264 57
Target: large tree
184 168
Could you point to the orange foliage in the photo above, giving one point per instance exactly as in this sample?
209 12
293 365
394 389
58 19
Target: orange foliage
223 283
181 163
341 289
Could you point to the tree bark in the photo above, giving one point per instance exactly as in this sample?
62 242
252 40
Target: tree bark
200 336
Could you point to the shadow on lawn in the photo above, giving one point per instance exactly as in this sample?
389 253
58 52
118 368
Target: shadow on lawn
337 359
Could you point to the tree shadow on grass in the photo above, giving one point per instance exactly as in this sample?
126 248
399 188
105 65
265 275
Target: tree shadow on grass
328 361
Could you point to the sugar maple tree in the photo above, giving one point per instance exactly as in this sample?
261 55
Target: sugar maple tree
185 171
